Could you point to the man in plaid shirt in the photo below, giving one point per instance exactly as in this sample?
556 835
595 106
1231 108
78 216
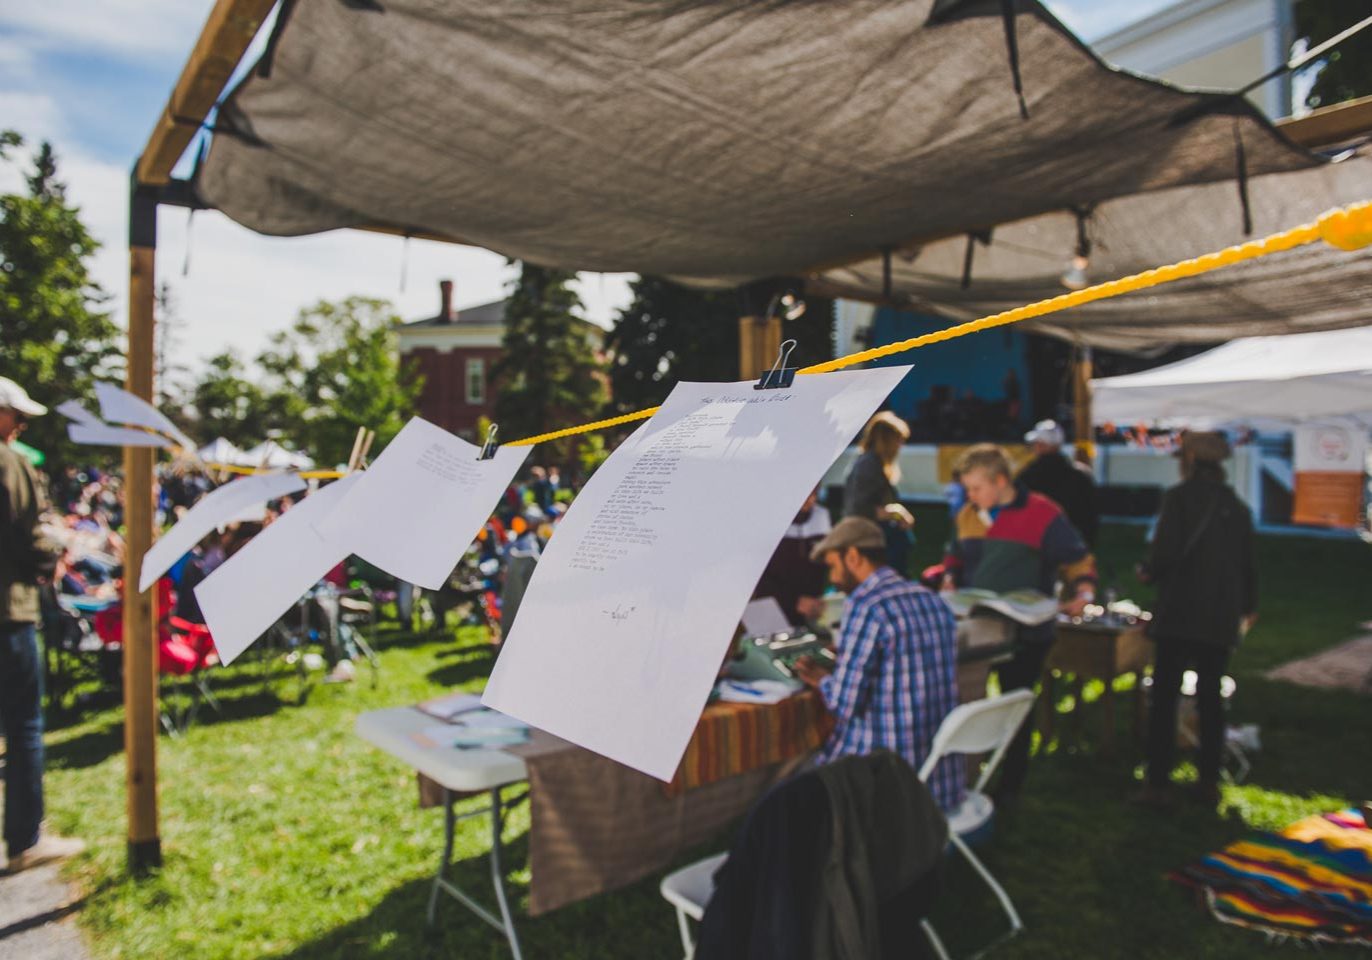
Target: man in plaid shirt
895 677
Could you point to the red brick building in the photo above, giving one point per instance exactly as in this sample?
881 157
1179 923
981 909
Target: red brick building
455 351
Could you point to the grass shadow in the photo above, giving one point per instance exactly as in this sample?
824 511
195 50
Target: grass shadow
476 662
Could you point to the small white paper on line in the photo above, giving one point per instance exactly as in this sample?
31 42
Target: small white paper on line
221 506
764 617
74 411
253 588
636 599
104 435
120 406
414 512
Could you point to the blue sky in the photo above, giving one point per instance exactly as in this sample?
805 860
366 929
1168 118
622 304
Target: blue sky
92 78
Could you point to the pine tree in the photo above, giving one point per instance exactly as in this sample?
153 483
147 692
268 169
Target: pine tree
669 333
549 374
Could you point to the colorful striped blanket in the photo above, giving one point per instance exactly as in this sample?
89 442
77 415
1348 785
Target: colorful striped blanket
1312 881
734 738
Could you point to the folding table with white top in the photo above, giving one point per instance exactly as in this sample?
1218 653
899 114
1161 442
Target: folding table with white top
457 772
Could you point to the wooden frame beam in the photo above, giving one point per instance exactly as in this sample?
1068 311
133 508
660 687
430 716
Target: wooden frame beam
1330 126
231 26
228 31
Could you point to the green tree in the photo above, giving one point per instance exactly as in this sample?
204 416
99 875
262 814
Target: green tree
670 333
55 336
549 374
1346 72
227 404
338 368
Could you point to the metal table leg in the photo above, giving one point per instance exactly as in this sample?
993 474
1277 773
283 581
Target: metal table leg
505 922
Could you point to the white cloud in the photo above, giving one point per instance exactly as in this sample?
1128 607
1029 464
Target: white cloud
241 286
121 28
15 59
1093 19
35 115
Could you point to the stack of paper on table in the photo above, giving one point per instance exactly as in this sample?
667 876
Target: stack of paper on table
475 729
764 617
1028 607
449 706
757 691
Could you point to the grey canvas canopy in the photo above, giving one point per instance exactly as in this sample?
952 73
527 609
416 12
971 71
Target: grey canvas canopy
1315 287
716 142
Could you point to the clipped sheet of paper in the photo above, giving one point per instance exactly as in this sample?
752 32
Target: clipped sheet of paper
638 595
219 507
104 435
253 588
414 512
120 406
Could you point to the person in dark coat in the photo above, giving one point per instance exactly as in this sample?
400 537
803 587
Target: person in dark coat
791 577
1060 480
1202 561
838 863
28 557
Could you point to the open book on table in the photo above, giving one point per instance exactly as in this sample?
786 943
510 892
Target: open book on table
1028 607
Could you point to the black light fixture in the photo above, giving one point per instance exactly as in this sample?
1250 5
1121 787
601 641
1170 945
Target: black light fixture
787 305
1074 277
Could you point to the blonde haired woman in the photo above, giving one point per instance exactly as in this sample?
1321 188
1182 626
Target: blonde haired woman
870 488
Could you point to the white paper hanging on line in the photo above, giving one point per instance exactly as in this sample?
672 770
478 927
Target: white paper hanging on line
637 597
217 508
104 435
414 512
120 406
74 411
253 588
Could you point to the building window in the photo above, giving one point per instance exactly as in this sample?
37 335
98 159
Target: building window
476 380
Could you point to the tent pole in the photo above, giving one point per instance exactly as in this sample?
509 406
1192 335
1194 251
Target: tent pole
759 341
1081 403
140 610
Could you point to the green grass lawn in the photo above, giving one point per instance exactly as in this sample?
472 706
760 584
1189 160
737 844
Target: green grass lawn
285 835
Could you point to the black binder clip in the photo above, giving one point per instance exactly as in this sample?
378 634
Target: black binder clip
780 376
488 448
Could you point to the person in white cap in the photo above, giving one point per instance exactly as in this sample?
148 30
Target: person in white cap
26 556
1057 478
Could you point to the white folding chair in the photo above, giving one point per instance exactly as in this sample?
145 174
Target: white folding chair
689 890
982 726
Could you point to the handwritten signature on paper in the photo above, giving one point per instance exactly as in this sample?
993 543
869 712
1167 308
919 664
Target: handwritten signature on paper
620 613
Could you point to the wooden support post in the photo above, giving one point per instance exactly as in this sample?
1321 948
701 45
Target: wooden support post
759 340
1081 402
140 609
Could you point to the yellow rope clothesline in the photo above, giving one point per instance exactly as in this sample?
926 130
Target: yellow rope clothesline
1348 228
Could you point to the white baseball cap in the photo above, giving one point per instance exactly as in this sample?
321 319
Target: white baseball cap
16 397
1046 431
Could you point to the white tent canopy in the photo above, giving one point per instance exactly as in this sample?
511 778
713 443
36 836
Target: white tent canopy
269 453
1259 381
220 451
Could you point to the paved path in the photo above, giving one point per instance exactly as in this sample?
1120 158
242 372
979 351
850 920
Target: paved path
37 916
